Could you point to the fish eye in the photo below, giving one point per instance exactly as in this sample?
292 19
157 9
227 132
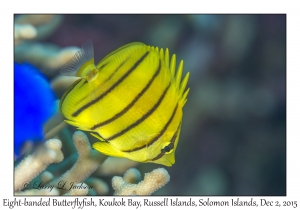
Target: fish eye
167 149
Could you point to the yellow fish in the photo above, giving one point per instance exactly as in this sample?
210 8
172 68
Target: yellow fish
131 101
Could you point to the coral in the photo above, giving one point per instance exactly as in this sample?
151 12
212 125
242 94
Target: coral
115 166
55 130
99 187
48 57
79 189
31 28
35 26
34 164
88 161
132 176
88 167
152 182
23 32
46 177
235 120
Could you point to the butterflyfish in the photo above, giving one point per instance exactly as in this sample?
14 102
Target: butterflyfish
131 101
34 104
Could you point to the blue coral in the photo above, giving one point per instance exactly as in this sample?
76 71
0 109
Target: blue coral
34 104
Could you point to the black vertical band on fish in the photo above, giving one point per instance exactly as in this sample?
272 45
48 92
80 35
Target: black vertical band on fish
129 106
85 82
112 87
143 117
158 135
115 71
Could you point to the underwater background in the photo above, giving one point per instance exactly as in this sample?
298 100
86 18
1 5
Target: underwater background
233 137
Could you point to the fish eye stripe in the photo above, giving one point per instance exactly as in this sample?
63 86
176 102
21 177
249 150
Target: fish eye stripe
159 156
171 145
129 106
159 134
143 117
76 113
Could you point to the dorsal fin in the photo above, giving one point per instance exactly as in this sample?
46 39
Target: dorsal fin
82 62
176 74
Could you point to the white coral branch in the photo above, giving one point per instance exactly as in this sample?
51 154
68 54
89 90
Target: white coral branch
79 189
152 182
34 164
88 161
